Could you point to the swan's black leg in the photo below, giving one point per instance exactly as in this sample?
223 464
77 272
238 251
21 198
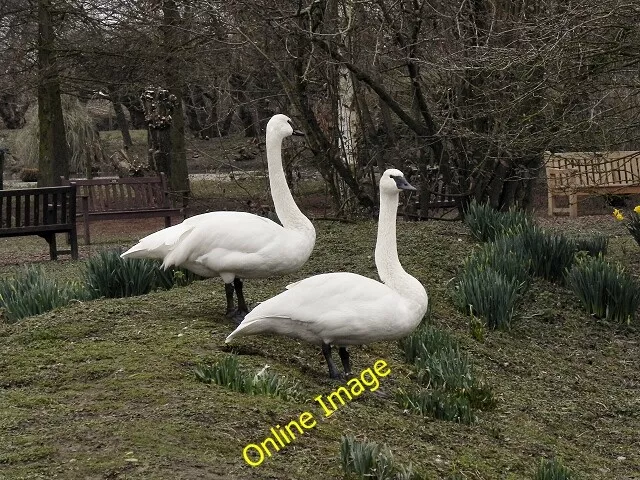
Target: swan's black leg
326 351
344 357
228 290
242 304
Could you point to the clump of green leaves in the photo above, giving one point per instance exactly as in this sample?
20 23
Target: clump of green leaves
448 388
633 225
370 460
227 372
488 294
492 280
174 277
552 470
437 404
110 276
424 340
605 290
550 254
502 256
32 293
593 244
487 224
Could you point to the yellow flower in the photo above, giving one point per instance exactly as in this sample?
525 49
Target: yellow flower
618 214
637 209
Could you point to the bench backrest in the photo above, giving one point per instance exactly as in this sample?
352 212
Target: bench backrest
123 194
593 169
33 207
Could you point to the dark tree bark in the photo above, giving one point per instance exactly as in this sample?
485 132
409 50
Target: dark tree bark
178 172
136 111
246 114
159 106
53 159
202 116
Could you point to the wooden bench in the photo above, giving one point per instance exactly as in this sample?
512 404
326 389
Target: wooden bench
40 211
575 174
123 198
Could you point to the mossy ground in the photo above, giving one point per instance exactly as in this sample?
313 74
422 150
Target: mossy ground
106 389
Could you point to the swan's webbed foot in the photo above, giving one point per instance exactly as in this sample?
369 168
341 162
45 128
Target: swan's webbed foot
238 316
333 371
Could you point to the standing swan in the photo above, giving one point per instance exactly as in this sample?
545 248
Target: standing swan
236 245
345 308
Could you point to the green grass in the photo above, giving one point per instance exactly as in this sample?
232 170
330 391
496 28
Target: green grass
106 388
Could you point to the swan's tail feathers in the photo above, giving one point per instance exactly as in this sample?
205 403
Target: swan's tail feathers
254 326
159 244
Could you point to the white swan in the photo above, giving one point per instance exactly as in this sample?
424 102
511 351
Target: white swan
345 308
236 245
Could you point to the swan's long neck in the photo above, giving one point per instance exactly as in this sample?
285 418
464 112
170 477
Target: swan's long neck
286 209
389 268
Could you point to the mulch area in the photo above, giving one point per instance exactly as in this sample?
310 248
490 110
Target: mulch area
105 234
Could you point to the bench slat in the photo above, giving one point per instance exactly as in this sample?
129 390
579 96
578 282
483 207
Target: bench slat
113 198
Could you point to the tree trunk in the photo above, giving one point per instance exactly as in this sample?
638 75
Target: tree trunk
226 124
247 116
123 125
53 159
202 118
136 111
178 172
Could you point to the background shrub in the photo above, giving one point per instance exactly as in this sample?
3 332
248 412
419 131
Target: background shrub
605 290
32 293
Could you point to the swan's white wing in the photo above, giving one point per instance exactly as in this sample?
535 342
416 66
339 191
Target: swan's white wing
335 308
233 242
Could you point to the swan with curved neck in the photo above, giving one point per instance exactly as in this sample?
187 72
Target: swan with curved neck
236 245
344 308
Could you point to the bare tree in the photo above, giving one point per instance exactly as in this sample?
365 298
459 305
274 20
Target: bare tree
54 156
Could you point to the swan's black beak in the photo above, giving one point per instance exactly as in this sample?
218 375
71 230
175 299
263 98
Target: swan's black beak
298 133
402 183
